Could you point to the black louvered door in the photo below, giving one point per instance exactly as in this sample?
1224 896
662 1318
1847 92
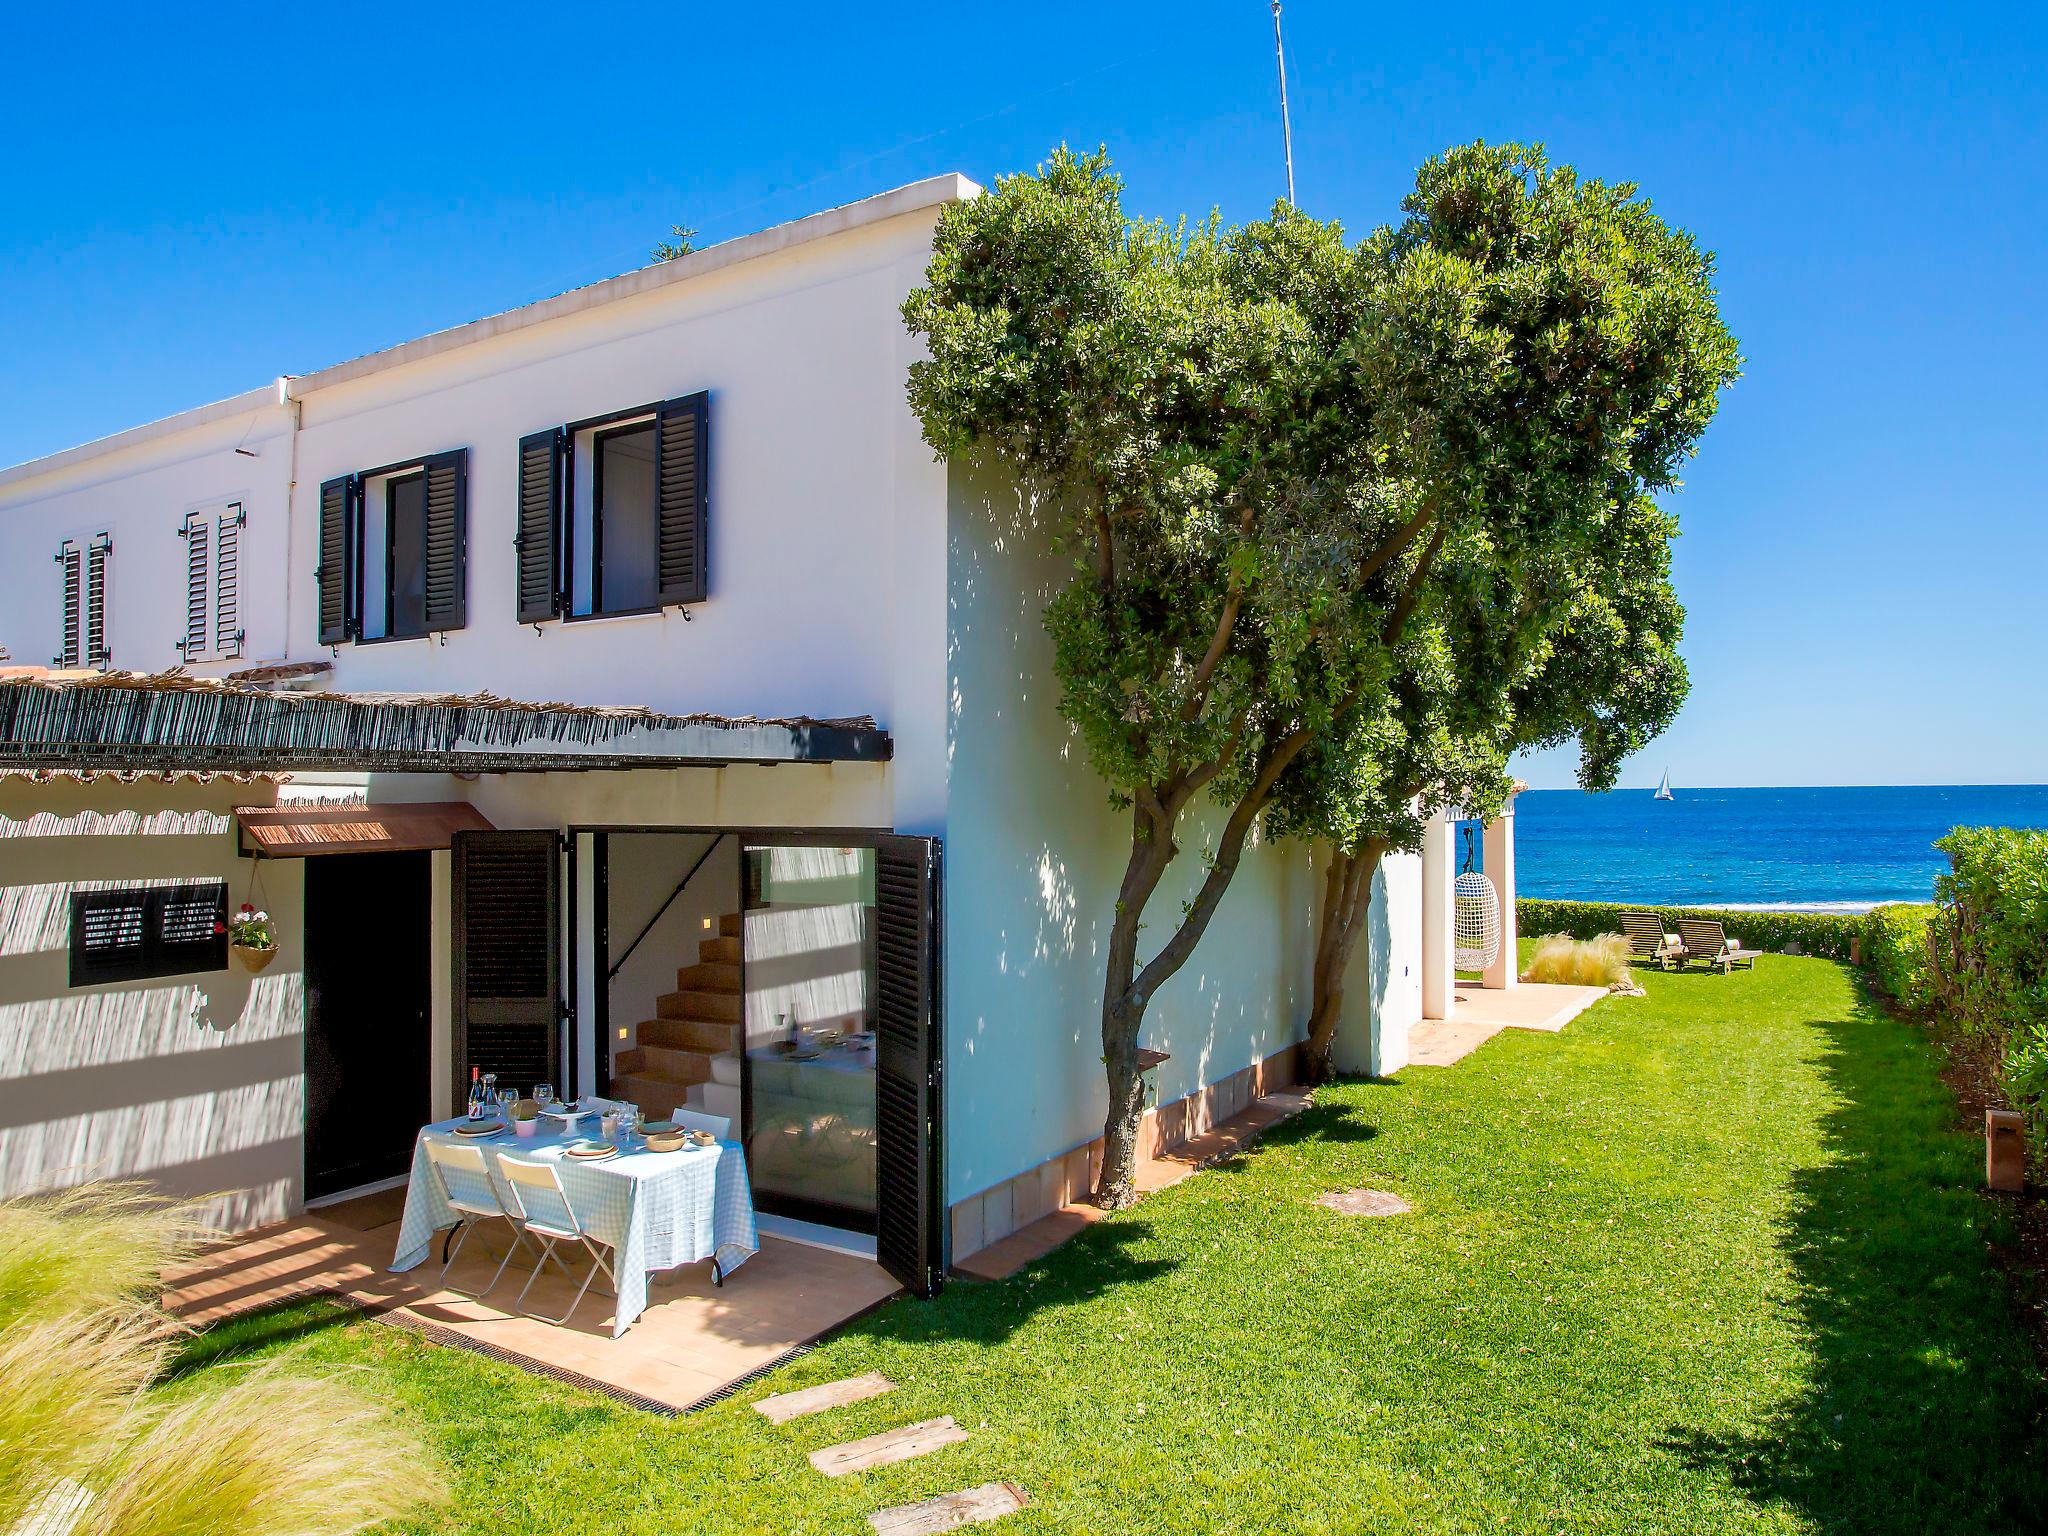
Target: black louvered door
507 972
909 1117
336 571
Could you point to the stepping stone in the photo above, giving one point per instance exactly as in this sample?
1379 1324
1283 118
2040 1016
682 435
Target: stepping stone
784 1406
949 1511
1364 1202
889 1446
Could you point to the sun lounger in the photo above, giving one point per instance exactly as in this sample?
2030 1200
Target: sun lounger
1649 941
1706 940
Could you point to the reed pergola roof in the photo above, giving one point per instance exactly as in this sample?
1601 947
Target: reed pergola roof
172 721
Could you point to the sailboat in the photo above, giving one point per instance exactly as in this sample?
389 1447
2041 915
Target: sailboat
1663 787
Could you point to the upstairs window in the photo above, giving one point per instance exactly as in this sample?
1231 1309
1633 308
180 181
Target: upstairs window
213 592
84 566
394 550
612 513
151 930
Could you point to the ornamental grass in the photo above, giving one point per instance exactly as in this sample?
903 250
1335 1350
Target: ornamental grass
93 1441
1595 962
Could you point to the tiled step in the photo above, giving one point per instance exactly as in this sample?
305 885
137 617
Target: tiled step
890 1446
710 976
657 1097
784 1406
723 1006
725 951
680 1065
706 1035
729 925
949 1511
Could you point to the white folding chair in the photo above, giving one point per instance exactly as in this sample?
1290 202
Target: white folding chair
544 1211
696 1120
464 1179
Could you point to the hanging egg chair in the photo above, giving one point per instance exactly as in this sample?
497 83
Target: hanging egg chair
1477 906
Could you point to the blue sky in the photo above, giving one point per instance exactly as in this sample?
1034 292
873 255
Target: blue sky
199 200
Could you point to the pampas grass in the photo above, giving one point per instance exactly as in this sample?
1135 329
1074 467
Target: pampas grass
1601 962
90 1447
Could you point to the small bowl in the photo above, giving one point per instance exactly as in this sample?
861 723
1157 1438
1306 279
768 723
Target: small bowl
666 1141
703 1138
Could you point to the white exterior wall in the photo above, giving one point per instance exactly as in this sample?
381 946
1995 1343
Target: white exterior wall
193 1082
1034 856
140 495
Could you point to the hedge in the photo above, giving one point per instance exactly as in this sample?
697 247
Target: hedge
1895 949
1827 934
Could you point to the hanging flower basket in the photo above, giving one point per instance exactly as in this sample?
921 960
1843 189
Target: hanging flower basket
251 938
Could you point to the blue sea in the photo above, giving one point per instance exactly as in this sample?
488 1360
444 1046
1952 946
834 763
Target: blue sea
1818 849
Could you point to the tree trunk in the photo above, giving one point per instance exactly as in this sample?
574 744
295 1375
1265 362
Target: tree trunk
1347 902
1123 1009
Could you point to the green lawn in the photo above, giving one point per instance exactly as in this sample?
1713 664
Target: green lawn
1711 1260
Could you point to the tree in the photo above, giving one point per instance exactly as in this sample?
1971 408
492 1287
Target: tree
1605 670
1258 445
682 239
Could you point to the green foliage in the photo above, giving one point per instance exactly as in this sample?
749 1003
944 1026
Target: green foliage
1989 938
682 239
1596 962
1895 951
1816 933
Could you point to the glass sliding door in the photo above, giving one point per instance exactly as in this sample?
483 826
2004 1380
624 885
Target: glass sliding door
811 955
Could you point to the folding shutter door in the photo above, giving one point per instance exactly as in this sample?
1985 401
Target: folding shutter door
447 538
681 433
507 982
539 537
337 559
909 1167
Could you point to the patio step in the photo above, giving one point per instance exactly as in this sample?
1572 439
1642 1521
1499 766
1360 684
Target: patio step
710 976
719 1007
949 1511
714 1037
724 950
680 1066
729 925
889 1447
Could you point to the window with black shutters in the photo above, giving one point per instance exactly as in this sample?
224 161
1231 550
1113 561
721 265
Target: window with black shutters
394 550
151 930
612 513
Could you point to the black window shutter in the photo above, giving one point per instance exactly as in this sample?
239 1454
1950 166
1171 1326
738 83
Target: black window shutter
909 1113
336 573
539 537
681 442
447 539
198 532
507 983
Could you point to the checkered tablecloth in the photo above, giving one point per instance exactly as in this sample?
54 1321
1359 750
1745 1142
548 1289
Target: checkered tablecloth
657 1209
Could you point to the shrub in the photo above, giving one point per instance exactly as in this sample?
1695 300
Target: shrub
2024 1076
88 1447
1595 962
1895 950
1826 934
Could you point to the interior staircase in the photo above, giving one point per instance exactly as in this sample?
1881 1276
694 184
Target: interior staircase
689 1053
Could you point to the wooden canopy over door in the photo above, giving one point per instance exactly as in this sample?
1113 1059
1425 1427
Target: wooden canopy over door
507 971
909 1113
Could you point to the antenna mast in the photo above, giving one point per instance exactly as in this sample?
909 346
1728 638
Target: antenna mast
1286 128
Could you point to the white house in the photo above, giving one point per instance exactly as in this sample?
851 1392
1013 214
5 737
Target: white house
603 691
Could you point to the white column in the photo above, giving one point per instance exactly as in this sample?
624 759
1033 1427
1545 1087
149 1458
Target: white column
1439 921
1500 869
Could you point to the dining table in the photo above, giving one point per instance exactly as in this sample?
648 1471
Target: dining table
655 1210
